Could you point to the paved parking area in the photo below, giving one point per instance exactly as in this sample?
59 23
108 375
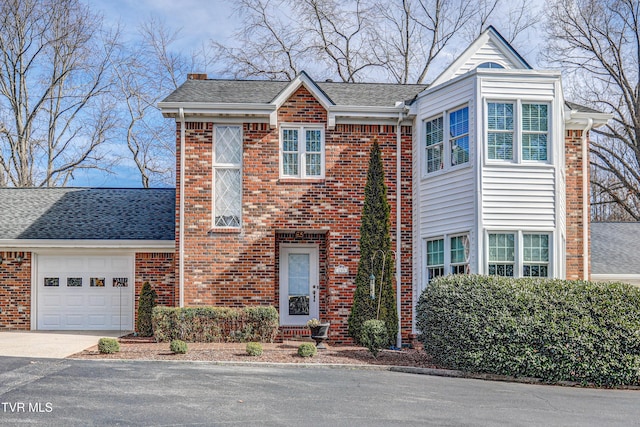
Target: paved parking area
49 344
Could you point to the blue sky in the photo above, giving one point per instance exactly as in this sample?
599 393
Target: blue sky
199 22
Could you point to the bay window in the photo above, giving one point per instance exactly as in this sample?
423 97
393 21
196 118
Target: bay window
456 140
520 254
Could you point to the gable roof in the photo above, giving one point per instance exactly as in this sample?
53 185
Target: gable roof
615 248
490 46
87 214
266 91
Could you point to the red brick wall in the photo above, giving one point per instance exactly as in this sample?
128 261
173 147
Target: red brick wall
237 268
159 270
15 291
574 200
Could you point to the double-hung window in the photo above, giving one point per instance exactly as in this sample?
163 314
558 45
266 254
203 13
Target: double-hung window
447 255
435 259
302 151
517 131
535 129
434 138
455 139
500 133
502 254
459 255
536 255
459 136
505 247
227 176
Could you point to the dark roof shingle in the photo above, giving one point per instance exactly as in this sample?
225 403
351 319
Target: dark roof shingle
265 91
87 213
615 247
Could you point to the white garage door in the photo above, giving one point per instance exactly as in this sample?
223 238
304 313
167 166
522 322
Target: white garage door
85 292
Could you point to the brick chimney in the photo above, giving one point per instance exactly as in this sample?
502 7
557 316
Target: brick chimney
197 76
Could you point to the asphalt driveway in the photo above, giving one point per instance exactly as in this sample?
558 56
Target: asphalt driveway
49 344
95 393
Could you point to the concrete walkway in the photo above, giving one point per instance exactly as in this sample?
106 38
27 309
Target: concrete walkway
49 344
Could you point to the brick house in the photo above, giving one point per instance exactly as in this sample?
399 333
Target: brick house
486 171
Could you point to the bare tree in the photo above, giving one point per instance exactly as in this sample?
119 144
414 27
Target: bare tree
53 75
374 40
598 41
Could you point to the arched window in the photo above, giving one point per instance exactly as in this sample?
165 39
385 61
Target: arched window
490 65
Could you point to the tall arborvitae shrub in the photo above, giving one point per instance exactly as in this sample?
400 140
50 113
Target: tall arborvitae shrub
145 307
376 257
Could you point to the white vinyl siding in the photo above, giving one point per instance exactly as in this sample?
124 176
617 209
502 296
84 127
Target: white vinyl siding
489 52
227 176
518 196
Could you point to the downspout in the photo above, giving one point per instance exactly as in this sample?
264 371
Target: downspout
585 199
181 216
399 226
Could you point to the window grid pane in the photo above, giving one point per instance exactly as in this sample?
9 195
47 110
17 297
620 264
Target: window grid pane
459 133
314 164
535 126
228 145
434 158
536 255
460 255
228 197
434 131
500 135
501 254
435 252
314 141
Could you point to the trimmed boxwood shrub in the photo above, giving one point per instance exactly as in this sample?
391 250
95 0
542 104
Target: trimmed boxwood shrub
550 329
374 336
215 324
307 349
108 345
254 349
178 346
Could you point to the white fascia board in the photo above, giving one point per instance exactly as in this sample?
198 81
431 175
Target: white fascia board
578 120
172 109
156 245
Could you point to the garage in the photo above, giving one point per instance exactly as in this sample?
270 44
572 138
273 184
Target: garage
85 292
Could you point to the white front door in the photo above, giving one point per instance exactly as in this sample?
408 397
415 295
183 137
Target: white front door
299 284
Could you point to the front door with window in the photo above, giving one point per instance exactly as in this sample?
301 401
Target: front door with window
299 290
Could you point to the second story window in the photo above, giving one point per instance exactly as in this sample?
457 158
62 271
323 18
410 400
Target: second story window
447 140
517 131
301 152
500 134
227 176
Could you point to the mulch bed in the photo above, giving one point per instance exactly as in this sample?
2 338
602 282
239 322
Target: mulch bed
132 348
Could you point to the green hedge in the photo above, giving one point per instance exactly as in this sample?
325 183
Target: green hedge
550 329
215 324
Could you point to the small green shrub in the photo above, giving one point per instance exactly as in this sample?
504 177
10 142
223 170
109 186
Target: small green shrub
307 349
374 336
108 345
254 349
555 330
215 324
178 346
146 303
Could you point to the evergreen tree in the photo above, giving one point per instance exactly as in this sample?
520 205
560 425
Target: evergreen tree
376 257
145 308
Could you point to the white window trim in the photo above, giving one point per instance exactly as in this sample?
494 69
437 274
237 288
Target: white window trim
518 266
216 166
517 131
446 142
447 252
302 161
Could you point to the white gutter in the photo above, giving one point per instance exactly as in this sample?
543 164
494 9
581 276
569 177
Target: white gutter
399 227
139 245
181 215
585 199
